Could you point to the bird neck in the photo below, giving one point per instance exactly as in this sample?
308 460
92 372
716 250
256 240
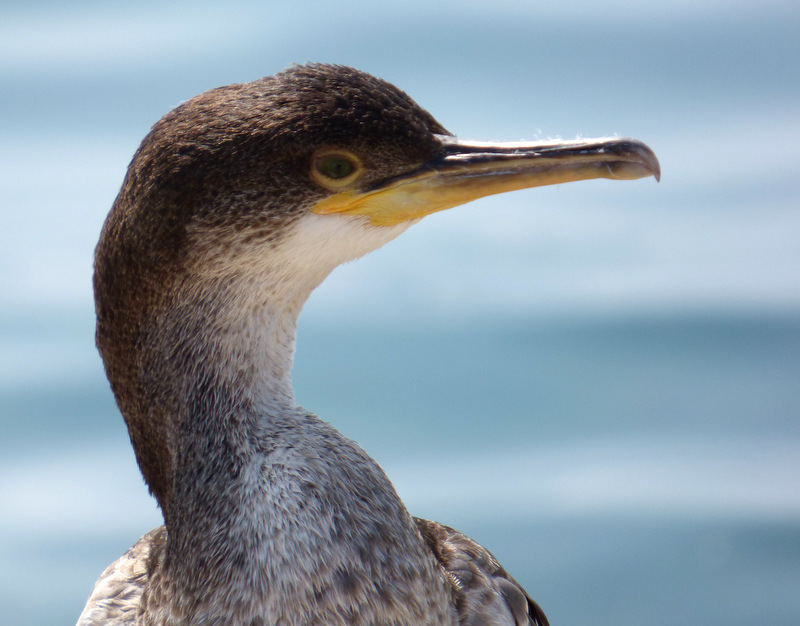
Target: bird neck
253 488
239 450
269 504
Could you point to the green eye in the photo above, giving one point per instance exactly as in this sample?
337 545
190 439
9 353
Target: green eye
335 166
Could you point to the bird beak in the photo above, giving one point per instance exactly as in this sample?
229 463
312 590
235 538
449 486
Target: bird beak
465 170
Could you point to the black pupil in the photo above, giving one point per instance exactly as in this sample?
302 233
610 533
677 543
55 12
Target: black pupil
336 166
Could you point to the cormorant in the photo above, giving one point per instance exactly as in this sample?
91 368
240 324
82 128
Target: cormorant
237 204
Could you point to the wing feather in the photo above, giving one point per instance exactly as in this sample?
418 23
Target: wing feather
117 594
483 592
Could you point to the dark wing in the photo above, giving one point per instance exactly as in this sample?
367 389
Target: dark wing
117 594
483 591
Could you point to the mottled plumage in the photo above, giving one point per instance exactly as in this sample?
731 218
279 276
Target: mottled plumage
482 589
235 207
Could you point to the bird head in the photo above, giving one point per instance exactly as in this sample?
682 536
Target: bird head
245 197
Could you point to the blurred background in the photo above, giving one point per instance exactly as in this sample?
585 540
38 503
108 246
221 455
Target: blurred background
599 381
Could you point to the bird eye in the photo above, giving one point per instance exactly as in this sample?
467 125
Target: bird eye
335 168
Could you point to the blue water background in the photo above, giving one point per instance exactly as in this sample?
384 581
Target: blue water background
598 381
